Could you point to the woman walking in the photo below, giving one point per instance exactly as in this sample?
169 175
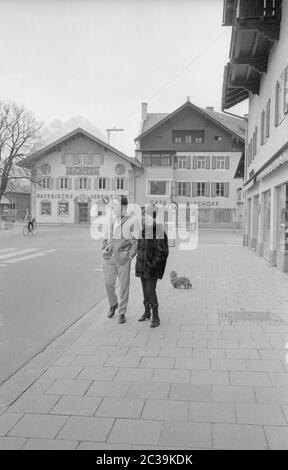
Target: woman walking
151 260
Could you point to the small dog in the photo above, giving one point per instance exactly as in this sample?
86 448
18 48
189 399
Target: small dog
178 282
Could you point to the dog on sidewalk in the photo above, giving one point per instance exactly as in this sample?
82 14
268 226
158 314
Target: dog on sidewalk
178 282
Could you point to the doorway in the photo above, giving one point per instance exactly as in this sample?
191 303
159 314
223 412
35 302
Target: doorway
83 212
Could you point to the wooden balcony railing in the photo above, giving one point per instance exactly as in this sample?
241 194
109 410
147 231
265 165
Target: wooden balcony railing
258 8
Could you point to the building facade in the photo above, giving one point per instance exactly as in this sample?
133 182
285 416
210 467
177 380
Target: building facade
74 174
258 69
191 156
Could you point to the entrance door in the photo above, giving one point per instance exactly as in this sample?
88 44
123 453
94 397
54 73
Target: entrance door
83 212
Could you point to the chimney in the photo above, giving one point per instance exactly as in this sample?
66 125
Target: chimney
144 111
210 108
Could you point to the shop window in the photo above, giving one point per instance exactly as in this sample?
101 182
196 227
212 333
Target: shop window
282 218
45 208
63 208
223 216
158 188
204 216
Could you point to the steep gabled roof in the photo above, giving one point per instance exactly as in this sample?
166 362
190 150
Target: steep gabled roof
231 124
46 148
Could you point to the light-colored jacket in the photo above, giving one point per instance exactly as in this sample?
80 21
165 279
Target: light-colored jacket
120 241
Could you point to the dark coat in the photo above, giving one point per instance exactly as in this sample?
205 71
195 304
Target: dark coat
152 254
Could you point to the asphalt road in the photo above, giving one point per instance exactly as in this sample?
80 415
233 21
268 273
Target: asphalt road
46 282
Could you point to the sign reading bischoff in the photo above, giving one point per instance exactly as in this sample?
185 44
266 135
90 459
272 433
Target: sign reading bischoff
179 220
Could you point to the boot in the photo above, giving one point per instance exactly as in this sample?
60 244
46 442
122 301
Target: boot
155 317
147 313
112 311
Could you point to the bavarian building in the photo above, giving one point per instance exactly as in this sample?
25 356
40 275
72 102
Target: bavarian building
193 155
258 71
76 172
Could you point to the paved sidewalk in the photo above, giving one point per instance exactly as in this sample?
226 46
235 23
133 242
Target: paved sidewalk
196 382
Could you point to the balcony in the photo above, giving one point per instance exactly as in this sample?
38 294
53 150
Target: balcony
255 27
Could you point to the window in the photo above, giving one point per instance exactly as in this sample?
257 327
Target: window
188 139
63 183
222 216
200 189
218 138
82 183
220 189
156 159
46 183
102 183
188 136
281 97
63 208
178 140
96 159
220 163
158 188
119 183
182 162
45 208
183 188
201 162
198 140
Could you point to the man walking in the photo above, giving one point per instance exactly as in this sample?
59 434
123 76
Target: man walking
119 247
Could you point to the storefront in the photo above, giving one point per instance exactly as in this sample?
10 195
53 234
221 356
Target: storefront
282 227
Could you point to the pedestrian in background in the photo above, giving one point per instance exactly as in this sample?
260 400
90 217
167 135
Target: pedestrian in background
152 253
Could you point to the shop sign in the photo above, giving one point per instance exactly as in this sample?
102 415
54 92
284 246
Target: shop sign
82 170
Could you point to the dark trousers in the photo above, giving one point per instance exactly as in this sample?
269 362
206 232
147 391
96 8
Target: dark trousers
149 290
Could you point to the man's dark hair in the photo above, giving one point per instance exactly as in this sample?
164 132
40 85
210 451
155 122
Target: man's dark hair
123 200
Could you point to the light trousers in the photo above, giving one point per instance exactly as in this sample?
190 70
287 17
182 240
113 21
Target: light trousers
111 270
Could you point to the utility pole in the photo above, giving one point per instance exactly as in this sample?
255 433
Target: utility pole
112 130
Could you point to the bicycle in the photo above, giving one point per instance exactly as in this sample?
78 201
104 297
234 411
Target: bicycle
29 231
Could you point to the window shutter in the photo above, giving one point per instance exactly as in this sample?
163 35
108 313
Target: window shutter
114 183
63 159
285 91
70 183
194 189
214 163
51 182
213 189
188 189
96 183
102 159
76 183
276 117
175 162
207 189
262 127
208 162
189 162
88 183
226 190
107 182
125 183
227 162
268 118
58 182
194 162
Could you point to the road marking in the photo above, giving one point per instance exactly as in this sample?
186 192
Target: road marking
23 258
16 253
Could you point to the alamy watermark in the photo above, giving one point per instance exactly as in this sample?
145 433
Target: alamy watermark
180 222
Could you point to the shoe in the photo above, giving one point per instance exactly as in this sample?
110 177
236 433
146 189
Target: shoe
147 313
112 311
122 318
155 317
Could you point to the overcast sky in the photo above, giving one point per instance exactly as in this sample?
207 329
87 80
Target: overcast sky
101 58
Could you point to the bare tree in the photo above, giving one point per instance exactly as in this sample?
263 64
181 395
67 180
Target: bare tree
19 136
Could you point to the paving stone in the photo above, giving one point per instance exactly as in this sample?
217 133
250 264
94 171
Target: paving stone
192 364
273 355
109 388
156 390
211 412
91 360
260 414
50 444
67 372
97 373
120 408
131 431
7 421
171 375
86 429
41 385
209 377
228 364
11 443
68 387
250 378
175 352
102 446
190 392
157 362
199 354
242 354
165 410
64 360
33 403
265 366
277 437
37 425
133 374
223 344
232 394
192 343
279 379
76 406
238 437
185 434
111 350
271 395
149 352
123 361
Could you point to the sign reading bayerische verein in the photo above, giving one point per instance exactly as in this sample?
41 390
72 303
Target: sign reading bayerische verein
82 170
